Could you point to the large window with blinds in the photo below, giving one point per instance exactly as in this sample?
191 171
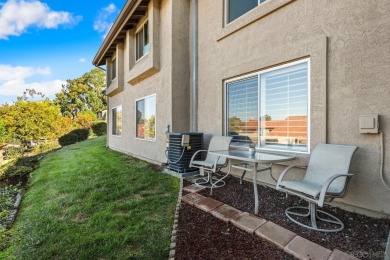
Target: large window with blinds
270 108
242 107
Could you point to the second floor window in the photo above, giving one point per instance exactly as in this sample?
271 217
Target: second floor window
142 41
236 8
113 69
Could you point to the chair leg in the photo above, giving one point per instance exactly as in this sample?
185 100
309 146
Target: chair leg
210 182
312 211
242 177
214 184
203 181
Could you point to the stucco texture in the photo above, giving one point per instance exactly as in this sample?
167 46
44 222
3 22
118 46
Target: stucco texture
348 43
160 72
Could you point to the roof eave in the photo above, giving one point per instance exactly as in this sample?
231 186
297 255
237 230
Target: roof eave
115 30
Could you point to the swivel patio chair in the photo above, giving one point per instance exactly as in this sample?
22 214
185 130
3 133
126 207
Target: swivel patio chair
212 164
326 178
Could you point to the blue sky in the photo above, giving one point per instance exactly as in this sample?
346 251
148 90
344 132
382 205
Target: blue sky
45 42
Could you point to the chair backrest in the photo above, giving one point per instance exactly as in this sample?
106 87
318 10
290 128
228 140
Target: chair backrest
218 143
327 160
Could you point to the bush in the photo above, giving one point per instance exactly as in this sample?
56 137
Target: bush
68 139
82 134
85 119
14 152
18 171
46 147
99 128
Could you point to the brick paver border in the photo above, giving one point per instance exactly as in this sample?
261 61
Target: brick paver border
268 231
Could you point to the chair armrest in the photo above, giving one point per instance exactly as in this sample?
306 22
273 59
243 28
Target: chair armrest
326 186
194 155
286 170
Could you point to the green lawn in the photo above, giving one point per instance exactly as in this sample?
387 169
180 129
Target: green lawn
88 202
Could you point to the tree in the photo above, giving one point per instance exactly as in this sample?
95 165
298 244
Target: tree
30 119
29 94
86 93
3 132
235 124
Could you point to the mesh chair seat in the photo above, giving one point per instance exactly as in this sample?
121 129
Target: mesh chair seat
205 163
310 189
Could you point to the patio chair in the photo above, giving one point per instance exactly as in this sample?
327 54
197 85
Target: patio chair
212 164
326 178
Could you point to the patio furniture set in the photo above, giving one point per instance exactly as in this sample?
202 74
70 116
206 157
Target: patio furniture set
326 177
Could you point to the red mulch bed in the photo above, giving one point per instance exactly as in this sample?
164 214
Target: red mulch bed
363 237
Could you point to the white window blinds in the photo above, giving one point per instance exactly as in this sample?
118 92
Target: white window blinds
242 99
284 107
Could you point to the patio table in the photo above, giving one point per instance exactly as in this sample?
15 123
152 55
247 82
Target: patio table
254 161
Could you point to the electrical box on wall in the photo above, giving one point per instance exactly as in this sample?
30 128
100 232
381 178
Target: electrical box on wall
368 124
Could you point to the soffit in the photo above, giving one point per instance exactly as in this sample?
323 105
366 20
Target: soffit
127 19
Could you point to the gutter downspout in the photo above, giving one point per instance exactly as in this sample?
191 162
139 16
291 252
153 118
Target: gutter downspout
194 66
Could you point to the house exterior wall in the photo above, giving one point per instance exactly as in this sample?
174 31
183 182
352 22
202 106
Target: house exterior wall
164 71
348 44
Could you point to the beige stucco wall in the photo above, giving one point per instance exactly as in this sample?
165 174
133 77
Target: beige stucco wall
164 71
348 43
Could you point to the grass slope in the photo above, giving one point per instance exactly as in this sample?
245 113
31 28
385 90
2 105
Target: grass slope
88 202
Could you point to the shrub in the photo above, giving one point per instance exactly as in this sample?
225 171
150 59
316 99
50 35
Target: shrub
46 147
18 170
82 134
68 139
99 128
85 119
14 152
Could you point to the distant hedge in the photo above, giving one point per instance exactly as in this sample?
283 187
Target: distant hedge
99 128
68 139
81 133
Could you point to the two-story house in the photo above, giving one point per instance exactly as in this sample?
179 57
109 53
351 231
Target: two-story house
286 74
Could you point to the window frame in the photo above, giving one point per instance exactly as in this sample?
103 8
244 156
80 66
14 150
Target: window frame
113 68
226 11
155 122
142 27
258 75
112 121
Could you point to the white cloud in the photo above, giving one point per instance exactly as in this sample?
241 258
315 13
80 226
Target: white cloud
105 18
82 60
13 81
18 15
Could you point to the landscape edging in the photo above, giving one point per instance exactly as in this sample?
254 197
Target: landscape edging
172 250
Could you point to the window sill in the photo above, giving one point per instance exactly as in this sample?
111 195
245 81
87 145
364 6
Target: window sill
143 68
116 135
147 140
141 58
268 150
252 16
114 88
